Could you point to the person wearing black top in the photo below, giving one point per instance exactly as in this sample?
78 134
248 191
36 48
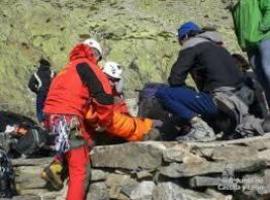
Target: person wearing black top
39 83
212 67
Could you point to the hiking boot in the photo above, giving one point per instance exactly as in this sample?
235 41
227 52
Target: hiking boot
53 174
200 131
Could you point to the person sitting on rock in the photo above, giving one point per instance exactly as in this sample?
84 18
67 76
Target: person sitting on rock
212 68
39 83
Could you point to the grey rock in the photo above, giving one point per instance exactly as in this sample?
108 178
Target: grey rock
43 193
143 191
130 171
145 155
204 181
174 154
98 175
181 153
24 197
226 153
98 191
144 174
258 143
120 185
31 162
128 187
218 195
172 191
264 155
176 170
29 177
117 179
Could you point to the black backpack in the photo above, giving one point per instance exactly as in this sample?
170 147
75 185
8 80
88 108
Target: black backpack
7 183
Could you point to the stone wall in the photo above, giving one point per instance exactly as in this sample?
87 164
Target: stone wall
166 171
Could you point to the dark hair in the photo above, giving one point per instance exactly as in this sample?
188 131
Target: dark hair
45 62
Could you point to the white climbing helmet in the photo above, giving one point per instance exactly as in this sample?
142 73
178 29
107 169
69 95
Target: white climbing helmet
94 44
113 70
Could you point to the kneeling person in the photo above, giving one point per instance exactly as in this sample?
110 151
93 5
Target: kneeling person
211 67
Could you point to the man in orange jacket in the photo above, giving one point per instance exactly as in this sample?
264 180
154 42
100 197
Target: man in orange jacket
79 85
123 125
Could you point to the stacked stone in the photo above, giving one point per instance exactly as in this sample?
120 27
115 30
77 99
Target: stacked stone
221 170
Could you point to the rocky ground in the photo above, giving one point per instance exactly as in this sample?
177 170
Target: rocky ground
139 34
223 170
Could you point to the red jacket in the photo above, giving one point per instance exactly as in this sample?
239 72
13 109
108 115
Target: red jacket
67 93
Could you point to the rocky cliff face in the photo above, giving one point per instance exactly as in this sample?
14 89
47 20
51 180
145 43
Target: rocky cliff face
139 34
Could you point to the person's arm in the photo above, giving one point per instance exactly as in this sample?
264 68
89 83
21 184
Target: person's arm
95 86
102 101
32 84
265 9
181 67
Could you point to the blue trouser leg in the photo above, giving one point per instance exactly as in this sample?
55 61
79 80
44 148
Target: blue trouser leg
186 103
260 59
39 106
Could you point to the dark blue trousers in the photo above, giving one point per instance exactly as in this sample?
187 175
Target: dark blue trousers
41 97
186 103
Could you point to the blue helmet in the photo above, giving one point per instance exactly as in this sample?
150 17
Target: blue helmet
186 28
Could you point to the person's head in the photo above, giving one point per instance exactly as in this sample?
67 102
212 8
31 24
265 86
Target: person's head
17 129
22 129
187 30
241 62
113 71
96 47
44 62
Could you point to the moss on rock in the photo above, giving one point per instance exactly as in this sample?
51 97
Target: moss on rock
139 34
